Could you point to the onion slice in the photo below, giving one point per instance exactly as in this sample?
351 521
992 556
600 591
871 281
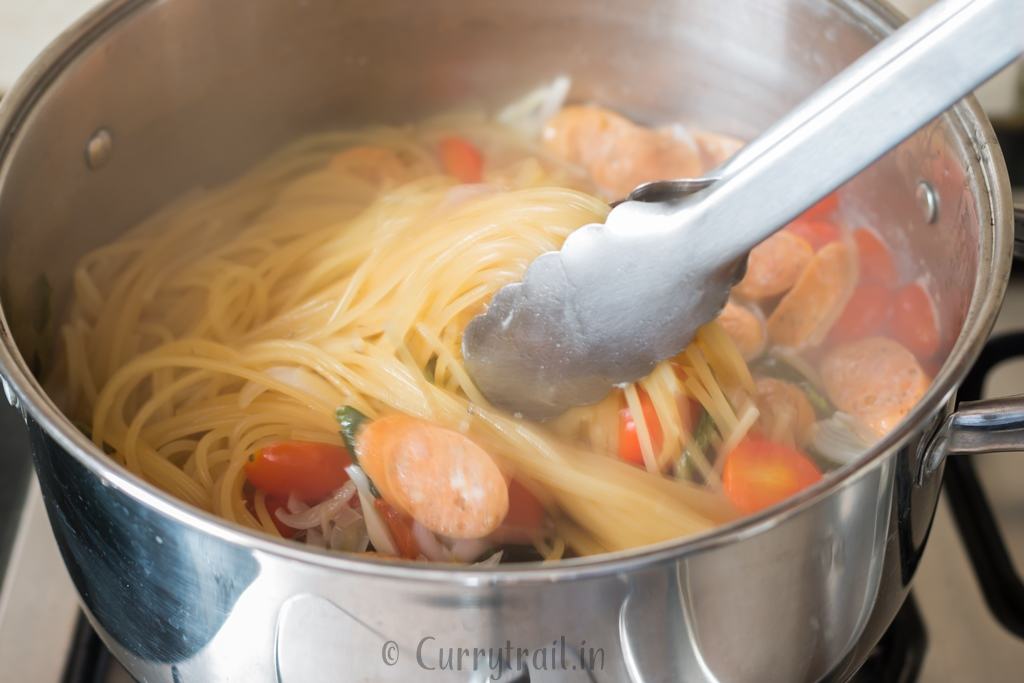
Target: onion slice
491 561
530 112
841 438
335 508
376 528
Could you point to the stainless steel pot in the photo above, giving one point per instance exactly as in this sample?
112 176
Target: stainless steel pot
142 100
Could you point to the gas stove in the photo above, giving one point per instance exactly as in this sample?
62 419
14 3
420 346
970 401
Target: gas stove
964 620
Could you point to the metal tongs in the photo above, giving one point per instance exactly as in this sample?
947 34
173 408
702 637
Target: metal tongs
621 296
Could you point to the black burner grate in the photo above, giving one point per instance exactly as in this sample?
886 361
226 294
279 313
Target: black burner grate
993 567
899 655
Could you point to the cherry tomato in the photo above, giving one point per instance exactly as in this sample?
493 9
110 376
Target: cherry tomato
525 512
629 440
913 321
876 263
824 209
461 159
759 473
400 527
817 232
310 471
866 314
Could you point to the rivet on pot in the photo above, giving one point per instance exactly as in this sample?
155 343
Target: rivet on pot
928 201
98 149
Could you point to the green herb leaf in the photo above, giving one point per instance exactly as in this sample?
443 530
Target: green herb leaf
350 422
702 435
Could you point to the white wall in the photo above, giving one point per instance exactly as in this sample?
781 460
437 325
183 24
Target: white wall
27 25
1000 96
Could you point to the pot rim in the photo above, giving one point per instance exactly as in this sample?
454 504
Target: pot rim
995 258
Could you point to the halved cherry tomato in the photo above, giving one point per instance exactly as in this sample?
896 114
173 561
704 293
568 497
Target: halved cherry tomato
400 527
759 473
876 262
629 440
866 314
310 471
818 233
273 503
913 321
824 209
525 512
461 159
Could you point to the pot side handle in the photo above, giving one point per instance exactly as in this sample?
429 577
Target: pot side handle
988 426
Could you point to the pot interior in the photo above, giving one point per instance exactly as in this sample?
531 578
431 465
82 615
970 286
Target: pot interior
191 93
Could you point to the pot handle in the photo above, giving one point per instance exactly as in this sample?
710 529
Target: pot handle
981 426
988 426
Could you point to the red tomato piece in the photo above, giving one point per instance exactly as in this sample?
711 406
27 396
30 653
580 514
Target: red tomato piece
759 473
461 159
310 471
876 262
866 314
913 321
817 232
824 209
400 527
525 511
629 440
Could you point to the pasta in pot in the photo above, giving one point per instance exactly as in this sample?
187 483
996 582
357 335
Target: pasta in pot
212 347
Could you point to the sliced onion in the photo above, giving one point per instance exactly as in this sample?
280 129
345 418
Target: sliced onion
530 112
352 538
491 561
334 508
440 549
295 506
342 518
315 538
841 438
380 537
431 548
469 549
